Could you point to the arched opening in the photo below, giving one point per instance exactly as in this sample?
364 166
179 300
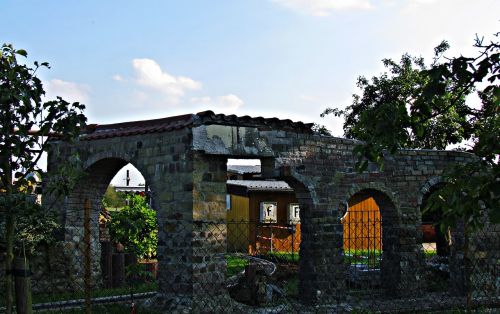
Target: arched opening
112 257
436 245
362 232
434 240
128 232
263 232
370 241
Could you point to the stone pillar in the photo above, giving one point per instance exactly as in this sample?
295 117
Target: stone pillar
321 264
209 232
192 237
173 198
458 282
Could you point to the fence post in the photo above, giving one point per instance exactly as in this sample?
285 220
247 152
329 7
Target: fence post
107 266
467 268
87 258
22 285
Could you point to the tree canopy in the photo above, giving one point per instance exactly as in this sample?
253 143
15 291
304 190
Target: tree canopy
26 120
414 105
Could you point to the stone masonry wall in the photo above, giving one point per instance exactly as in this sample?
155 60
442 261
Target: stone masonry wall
325 167
396 190
166 163
186 169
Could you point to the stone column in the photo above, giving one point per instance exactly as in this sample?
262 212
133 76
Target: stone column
209 232
192 237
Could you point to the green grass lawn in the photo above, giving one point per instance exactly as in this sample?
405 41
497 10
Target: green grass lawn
430 253
282 257
371 258
235 265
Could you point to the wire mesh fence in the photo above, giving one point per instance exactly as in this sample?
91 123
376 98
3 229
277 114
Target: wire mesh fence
251 267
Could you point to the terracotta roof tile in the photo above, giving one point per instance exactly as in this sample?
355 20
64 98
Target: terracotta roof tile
98 131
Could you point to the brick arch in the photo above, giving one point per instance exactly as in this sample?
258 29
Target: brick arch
88 192
101 168
431 186
112 158
304 190
93 159
86 201
428 187
390 229
379 189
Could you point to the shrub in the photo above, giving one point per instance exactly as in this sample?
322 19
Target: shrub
135 227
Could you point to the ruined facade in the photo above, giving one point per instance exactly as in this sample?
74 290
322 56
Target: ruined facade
183 159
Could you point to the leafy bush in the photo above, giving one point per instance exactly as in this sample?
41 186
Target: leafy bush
135 227
113 199
35 225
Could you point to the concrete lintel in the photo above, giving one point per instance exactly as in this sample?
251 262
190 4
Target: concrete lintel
231 140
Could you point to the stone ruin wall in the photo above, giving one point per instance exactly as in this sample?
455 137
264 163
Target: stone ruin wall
186 171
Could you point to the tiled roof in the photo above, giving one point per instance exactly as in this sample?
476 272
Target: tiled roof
100 131
242 169
256 185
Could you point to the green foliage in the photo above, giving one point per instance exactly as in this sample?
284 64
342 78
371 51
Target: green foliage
113 199
135 226
417 106
26 122
64 178
35 226
321 130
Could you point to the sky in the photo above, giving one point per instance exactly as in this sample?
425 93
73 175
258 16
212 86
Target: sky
291 59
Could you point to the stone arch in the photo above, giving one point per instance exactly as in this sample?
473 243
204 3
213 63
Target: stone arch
429 185
429 221
449 245
374 186
100 170
390 267
84 204
117 156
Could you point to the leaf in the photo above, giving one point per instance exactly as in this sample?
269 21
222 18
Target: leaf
22 52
